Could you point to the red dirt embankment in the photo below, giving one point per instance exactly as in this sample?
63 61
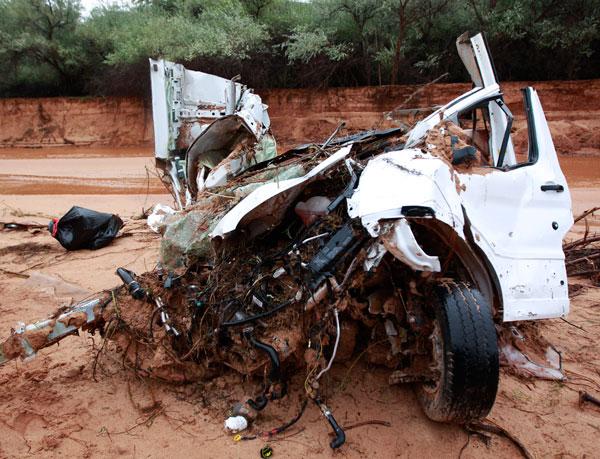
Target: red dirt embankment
572 109
298 115
113 121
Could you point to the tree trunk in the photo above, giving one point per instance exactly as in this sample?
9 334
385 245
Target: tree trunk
399 42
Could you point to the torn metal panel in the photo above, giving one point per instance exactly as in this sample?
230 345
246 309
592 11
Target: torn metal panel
474 55
183 103
404 179
26 340
261 201
204 119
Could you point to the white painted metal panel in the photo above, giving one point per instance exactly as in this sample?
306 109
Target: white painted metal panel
160 112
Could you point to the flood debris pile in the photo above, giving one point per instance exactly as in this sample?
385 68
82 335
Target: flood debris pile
451 143
582 255
266 301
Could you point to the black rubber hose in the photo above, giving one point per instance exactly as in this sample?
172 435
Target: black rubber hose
262 315
274 374
258 404
340 435
135 290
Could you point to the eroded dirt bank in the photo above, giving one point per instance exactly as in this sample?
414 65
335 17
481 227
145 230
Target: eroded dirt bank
572 109
116 121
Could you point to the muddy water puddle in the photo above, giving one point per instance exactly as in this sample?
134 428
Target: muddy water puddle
72 151
68 170
128 170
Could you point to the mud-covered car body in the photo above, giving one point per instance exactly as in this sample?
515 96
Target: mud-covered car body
417 249
510 213
461 227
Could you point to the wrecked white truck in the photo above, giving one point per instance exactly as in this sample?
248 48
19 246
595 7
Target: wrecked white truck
421 250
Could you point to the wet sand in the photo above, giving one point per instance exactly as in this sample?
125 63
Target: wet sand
68 170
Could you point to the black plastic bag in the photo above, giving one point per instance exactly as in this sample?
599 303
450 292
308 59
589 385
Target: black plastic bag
83 228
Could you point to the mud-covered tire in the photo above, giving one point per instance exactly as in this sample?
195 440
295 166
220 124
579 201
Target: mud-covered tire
467 354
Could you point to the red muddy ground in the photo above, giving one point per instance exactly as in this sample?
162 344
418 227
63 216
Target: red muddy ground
52 406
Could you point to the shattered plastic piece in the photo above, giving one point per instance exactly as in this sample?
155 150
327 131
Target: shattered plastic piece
83 228
401 242
156 220
236 424
278 272
522 364
375 254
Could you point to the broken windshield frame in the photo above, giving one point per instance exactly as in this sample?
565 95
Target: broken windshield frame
500 103
533 151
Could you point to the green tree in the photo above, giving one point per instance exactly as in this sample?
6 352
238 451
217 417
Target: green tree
48 48
183 31
39 37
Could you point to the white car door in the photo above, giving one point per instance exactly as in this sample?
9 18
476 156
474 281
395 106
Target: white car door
519 211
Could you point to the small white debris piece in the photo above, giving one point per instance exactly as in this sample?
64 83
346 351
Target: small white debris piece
312 209
511 356
236 423
156 219
390 330
278 272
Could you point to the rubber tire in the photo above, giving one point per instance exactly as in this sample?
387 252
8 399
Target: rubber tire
470 368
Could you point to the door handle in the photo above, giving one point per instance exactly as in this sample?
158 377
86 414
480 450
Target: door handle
553 187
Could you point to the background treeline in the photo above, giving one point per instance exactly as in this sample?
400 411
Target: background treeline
47 47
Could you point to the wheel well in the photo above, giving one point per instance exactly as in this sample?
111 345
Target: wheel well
459 258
